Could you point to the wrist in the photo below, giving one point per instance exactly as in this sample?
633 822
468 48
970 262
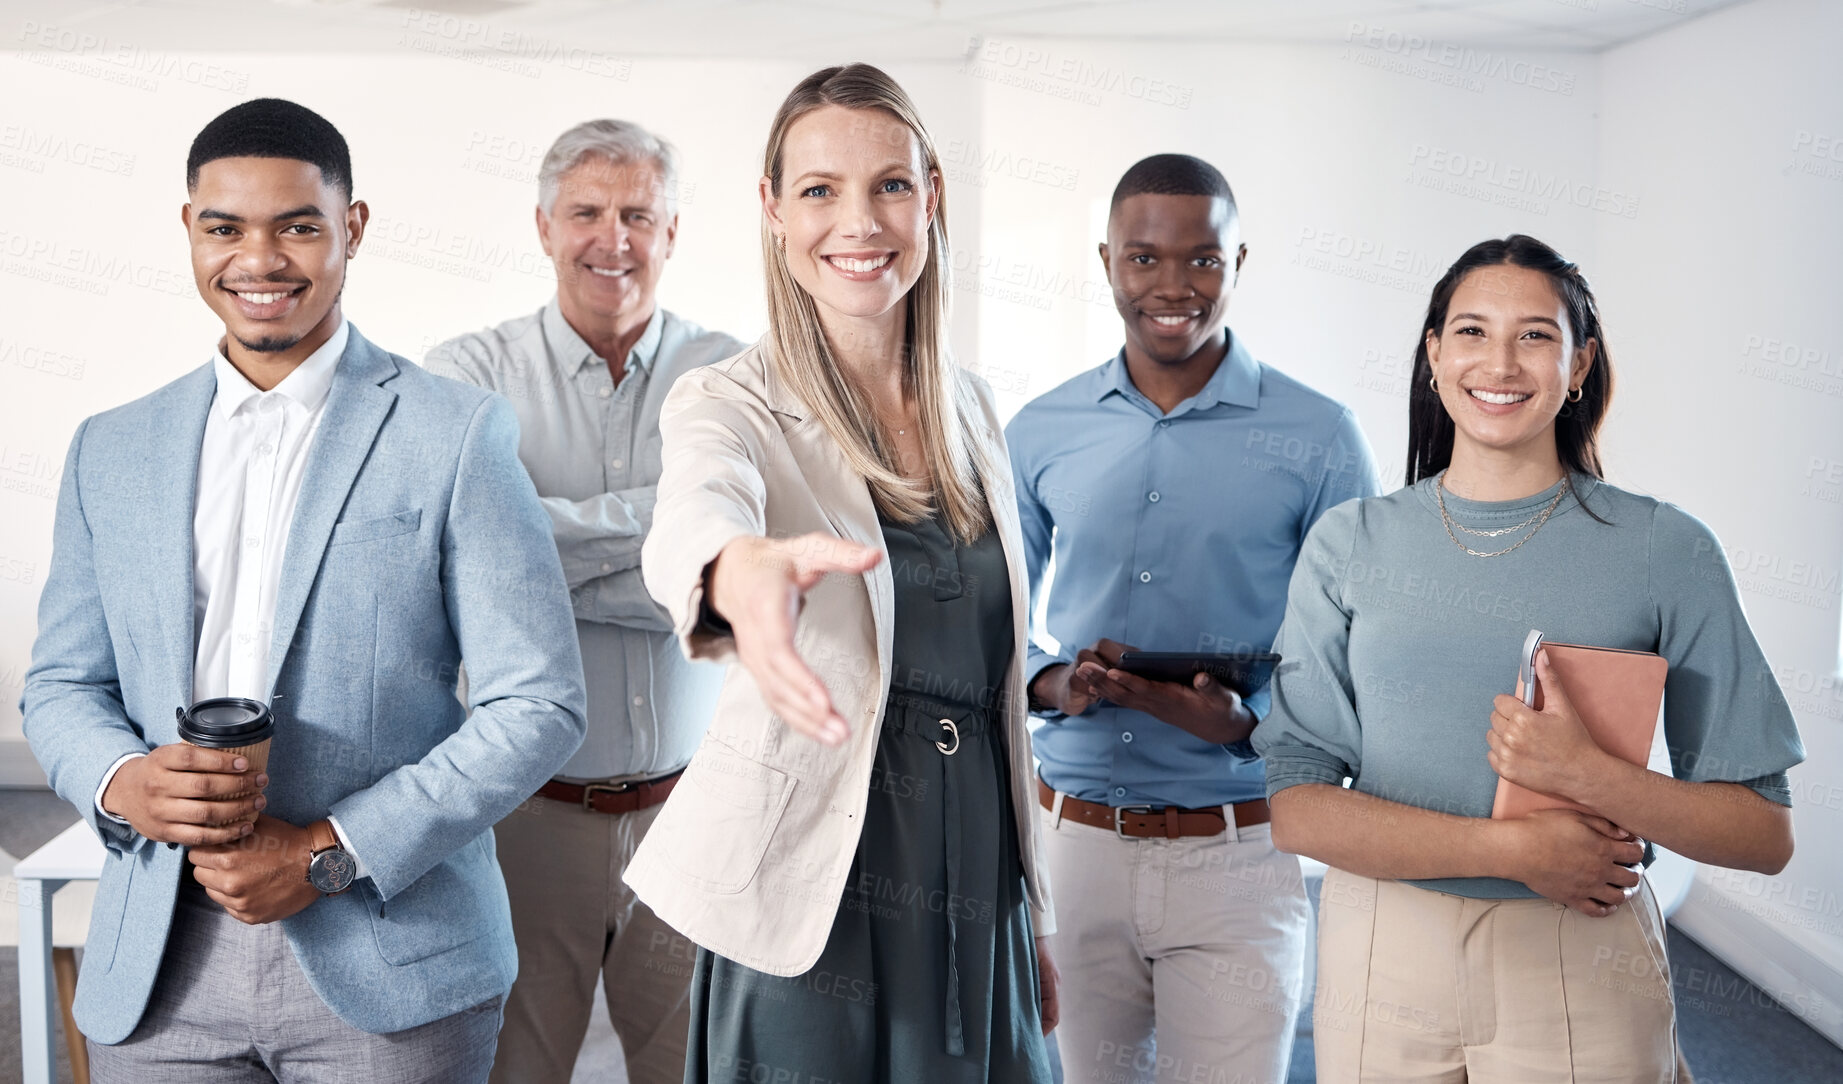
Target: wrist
1042 694
1501 849
1599 781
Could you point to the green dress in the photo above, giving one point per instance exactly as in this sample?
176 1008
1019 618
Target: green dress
929 975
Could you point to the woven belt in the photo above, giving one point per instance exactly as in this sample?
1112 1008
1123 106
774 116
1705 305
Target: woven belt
612 797
1146 822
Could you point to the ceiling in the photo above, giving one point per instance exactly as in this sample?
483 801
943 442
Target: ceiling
895 29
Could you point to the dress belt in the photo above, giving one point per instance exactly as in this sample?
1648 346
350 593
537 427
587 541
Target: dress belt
1149 822
625 797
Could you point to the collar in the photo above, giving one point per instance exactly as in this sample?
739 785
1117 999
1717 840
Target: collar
306 387
1236 381
573 350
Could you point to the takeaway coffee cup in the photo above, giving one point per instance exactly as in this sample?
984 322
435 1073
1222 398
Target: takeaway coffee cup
232 724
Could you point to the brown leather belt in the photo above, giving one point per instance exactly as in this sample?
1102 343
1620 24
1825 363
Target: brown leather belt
612 797
1145 822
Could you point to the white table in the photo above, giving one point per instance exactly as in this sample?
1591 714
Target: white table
74 855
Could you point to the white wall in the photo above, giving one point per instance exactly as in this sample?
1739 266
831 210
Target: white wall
1722 295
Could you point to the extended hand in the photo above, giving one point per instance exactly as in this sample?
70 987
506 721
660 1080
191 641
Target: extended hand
174 794
262 877
756 585
1205 707
1549 750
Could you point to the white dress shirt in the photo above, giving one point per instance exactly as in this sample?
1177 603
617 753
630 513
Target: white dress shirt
250 469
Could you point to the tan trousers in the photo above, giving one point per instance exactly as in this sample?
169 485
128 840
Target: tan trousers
1415 985
575 920
1182 960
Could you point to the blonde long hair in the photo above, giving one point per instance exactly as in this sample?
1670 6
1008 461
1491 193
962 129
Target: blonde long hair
946 408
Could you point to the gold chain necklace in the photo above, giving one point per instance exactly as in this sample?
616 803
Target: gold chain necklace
1439 490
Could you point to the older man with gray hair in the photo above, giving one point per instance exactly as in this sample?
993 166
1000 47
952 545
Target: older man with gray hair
586 375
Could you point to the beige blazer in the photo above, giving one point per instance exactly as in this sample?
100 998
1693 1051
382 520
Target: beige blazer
749 856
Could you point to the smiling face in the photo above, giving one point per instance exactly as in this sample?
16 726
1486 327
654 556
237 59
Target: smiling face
1172 261
270 240
1505 359
609 235
855 204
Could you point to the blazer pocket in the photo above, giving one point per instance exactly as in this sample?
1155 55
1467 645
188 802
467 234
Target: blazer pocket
369 530
727 809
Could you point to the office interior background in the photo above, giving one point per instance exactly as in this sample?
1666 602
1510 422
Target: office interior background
1687 153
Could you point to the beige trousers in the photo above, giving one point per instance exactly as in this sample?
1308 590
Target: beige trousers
575 921
1182 960
1415 985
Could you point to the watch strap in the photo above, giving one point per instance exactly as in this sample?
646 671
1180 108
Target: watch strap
321 836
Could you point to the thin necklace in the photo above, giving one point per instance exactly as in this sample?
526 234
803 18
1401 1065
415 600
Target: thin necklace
1439 490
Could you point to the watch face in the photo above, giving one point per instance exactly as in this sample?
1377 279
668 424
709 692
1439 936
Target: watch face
332 870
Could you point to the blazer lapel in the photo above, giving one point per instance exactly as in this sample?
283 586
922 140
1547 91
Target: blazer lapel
172 494
355 410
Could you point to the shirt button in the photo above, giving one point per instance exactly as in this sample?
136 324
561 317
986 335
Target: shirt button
252 541
1164 425
616 463
1152 496
605 392
639 701
265 449
606 567
1145 577
1127 737
1119 792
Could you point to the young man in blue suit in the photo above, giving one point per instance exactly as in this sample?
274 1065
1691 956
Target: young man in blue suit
311 522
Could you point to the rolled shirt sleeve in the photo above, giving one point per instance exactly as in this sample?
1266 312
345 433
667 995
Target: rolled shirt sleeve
1311 733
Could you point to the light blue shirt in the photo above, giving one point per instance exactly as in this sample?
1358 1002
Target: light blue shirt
592 448
1171 532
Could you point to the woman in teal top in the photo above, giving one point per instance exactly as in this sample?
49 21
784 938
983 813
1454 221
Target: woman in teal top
1453 946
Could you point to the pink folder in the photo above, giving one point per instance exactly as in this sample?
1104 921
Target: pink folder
1617 694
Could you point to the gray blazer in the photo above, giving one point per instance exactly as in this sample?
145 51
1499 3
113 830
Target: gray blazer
417 543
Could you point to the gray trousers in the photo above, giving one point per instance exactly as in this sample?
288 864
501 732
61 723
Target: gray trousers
578 923
231 1006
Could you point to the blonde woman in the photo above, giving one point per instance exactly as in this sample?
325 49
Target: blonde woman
853 845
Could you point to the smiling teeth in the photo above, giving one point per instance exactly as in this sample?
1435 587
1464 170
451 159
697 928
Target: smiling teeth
844 264
606 273
1171 321
1500 398
262 299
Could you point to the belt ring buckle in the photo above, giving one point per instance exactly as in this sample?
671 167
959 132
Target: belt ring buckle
1119 814
590 790
949 750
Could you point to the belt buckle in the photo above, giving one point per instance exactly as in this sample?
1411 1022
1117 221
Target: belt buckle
1119 813
589 790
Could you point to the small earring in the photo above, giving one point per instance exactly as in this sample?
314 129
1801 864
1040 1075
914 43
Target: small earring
1434 383
1574 394
781 240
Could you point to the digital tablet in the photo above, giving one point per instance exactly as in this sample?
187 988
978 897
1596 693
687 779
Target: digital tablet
1247 672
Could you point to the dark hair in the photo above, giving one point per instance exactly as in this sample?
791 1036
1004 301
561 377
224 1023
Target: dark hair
273 128
1577 427
1173 175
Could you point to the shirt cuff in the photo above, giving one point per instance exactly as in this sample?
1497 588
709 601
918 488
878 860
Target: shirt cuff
1037 662
345 844
109 777
1296 765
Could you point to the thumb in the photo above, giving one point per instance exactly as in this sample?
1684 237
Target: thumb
824 553
1554 697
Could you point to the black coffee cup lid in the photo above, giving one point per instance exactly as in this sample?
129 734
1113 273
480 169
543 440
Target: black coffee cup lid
226 722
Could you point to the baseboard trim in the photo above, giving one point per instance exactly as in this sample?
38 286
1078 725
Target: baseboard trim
1796 970
18 768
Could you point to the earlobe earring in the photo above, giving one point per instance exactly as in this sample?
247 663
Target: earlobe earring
780 240
1434 383
1574 394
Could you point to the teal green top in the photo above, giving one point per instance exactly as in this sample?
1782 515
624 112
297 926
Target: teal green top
1395 642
